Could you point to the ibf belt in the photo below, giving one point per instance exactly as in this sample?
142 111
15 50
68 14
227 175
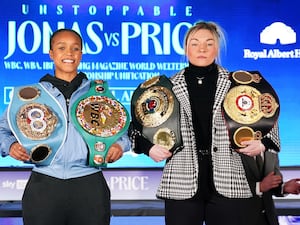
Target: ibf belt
251 107
38 122
155 110
100 119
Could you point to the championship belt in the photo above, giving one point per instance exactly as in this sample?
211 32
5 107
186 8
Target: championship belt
38 122
251 107
100 119
156 112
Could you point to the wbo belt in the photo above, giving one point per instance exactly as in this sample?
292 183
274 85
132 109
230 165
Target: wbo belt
155 112
100 119
251 107
38 122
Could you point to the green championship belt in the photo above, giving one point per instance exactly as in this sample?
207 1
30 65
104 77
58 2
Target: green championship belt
100 119
155 111
38 122
251 107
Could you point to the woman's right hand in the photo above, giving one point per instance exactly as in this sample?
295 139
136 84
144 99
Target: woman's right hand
18 152
159 153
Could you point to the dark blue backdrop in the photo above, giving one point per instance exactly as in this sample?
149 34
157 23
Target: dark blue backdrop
126 42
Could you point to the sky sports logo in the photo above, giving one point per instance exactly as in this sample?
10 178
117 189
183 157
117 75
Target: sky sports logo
273 34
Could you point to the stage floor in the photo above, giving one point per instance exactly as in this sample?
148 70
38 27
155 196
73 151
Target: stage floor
148 212
146 220
284 207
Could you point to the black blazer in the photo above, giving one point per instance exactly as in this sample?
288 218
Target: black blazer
271 163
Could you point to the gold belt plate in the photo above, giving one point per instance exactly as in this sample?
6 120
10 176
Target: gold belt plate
36 121
246 105
154 106
101 116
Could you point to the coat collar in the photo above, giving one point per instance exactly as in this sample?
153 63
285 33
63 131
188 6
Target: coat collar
181 91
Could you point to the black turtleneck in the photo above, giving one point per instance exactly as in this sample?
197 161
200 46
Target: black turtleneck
201 96
65 87
201 83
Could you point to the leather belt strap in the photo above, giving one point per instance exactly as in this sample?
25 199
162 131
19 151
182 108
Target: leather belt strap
38 122
156 112
251 107
100 119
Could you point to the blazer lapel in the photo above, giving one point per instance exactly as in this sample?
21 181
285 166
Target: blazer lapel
223 84
181 91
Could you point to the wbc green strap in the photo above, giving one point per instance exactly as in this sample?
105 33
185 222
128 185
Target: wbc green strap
100 119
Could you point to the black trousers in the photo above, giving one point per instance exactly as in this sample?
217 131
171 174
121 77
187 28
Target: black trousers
215 211
50 201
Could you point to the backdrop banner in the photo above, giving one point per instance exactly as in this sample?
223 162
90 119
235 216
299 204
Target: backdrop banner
129 42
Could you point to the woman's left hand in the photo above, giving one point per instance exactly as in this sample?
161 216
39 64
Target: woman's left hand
115 152
252 148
